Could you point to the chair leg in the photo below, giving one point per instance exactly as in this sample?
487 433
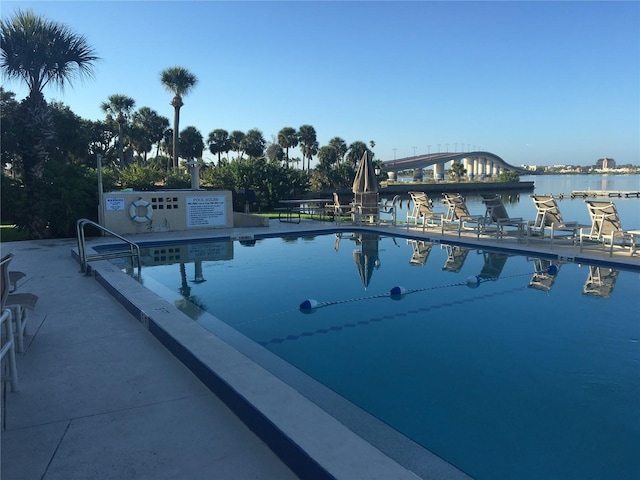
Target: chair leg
9 349
19 315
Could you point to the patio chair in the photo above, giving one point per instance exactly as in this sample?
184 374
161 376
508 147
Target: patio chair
422 211
390 207
458 215
7 342
548 217
496 215
337 209
606 227
18 303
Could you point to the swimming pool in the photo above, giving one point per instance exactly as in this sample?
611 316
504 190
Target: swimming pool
520 374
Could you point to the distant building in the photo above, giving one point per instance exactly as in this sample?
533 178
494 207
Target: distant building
606 163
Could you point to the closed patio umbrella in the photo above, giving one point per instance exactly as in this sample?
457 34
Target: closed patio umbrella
365 180
365 189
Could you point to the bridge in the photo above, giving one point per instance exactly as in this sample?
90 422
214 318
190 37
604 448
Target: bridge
477 164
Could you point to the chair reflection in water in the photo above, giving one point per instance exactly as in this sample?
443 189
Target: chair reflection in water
600 281
421 251
456 257
544 275
493 265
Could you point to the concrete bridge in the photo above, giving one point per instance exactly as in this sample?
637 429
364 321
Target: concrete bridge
477 164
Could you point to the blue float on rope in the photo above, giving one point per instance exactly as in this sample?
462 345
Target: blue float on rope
552 269
473 281
308 306
397 293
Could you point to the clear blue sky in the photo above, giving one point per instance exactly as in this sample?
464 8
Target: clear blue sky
533 82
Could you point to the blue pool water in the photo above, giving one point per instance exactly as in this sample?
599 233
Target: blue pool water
524 375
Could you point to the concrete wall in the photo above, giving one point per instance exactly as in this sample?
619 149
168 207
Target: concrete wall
167 210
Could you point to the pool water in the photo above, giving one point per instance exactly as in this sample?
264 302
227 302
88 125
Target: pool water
502 366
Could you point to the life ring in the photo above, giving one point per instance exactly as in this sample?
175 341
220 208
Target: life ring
133 211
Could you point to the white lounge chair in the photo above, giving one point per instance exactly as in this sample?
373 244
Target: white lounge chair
422 211
606 228
549 218
7 346
496 215
458 215
20 304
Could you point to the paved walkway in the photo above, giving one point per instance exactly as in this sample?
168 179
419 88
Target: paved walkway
101 398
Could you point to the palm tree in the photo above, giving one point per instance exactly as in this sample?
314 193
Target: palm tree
340 146
153 125
179 81
235 140
308 143
38 52
287 138
218 142
356 150
119 106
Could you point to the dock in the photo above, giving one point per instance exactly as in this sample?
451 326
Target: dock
603 193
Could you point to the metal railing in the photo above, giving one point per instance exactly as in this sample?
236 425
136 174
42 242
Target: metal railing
133 251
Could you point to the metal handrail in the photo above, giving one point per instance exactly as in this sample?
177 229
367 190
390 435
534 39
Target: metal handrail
134 249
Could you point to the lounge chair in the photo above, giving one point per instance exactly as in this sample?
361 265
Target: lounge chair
548 217
496 215
458 215
422 211
606 227
20 304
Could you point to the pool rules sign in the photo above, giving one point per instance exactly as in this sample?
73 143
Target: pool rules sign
206 211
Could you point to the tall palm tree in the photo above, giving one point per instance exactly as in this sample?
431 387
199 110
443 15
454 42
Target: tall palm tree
118 107
218 142
340 146
287 138
39 52
356 150
179 81
308 143
153 125
236 138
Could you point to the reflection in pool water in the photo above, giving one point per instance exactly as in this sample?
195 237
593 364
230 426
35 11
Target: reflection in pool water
533 373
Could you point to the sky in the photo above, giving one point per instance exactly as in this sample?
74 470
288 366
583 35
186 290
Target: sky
536 83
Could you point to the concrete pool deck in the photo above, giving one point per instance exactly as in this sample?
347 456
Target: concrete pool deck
102 398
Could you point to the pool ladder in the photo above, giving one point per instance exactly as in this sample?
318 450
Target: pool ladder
132 252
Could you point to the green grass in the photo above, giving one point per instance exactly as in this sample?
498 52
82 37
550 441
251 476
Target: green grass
9 233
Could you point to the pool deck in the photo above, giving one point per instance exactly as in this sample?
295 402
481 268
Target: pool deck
101 397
